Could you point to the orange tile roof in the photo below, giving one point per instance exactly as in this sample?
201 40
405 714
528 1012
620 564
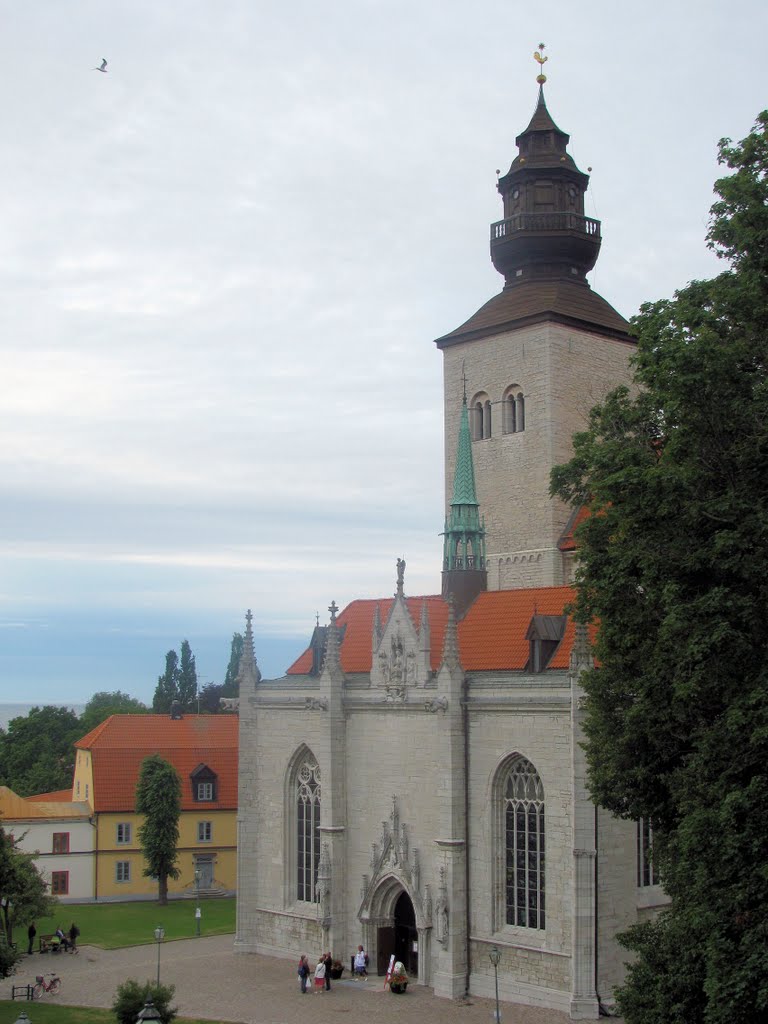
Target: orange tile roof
15 807
120 744
491 635
567 540
58 796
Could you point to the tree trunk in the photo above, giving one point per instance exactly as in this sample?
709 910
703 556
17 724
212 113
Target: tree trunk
162 890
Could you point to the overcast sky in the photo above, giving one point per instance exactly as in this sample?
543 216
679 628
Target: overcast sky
223 265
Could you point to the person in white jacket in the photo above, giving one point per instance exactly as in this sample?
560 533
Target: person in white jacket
320 975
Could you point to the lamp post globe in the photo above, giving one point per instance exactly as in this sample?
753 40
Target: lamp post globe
495 958
23 1018
149 1012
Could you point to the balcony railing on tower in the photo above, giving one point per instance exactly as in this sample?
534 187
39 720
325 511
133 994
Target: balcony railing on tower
550 221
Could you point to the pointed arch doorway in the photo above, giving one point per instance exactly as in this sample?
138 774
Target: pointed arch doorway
398 935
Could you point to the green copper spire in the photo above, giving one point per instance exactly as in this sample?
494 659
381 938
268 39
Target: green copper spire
464 544
464 478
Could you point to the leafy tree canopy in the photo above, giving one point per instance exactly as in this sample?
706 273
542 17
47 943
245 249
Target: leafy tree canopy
187 676
231 686
23 892
672 564
104 703
36 753
167 689
158 798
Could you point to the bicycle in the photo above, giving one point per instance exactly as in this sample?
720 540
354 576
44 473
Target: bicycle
53 986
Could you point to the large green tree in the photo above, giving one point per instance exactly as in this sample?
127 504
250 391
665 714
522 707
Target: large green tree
158 798
231 687
36 753
106 703
23 892
187 676
167 689
673 566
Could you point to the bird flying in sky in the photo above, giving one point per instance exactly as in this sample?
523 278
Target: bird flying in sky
103 66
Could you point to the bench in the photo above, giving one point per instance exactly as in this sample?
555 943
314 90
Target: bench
22 992
47 942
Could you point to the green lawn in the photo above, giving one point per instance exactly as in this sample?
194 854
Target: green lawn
111 925
52 1013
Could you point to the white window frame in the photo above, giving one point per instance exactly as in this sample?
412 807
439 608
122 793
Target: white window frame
122 871
205 792
124 833
205 832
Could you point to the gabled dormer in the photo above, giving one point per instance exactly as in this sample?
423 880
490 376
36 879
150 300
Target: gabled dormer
204 782
544 634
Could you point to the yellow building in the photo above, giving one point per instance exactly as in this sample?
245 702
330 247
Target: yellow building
203 749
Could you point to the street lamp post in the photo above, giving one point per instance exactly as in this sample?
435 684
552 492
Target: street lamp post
198 915
495 957
159 936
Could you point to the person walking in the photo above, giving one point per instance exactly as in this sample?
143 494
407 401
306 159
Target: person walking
361 963
328 960
31 933
320 975
303 973
74 934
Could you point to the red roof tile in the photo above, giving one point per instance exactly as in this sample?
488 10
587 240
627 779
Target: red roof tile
491 635
57 796
120 744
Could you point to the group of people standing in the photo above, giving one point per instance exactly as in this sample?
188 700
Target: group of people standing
59 940
322 972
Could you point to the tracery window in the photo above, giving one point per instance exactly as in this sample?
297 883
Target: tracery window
523 799
307 828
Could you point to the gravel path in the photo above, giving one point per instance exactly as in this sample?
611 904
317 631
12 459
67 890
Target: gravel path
214 983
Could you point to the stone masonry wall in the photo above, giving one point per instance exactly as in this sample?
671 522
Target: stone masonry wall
562 373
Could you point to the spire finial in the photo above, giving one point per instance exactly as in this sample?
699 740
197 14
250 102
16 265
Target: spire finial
464 376
332 662
333 608
247 668
539 57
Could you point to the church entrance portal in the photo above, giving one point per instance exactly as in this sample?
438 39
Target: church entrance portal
402 939
406 936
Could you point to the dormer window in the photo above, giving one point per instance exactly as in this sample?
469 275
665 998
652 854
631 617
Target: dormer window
544 635
204 784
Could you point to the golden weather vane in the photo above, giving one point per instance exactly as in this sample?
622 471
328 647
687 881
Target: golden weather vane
539 57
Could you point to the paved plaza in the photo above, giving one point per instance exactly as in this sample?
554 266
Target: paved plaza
212 982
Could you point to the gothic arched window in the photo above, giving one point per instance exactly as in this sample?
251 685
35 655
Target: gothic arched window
524 845
307 792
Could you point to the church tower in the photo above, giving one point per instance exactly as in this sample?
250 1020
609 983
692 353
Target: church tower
535 358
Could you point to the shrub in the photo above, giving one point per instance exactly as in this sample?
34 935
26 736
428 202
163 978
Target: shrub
132 995
9 957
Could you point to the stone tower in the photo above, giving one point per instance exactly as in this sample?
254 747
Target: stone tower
535 358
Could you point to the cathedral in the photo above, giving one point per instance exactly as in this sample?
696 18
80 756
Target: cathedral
415 782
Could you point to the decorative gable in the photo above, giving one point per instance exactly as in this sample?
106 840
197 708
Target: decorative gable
401 653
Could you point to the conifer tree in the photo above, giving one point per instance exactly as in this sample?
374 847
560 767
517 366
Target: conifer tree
231 687
167 689
187 685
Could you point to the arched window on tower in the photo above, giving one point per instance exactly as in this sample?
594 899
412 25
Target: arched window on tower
477 421
521 796
513 420
307 796
480 417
